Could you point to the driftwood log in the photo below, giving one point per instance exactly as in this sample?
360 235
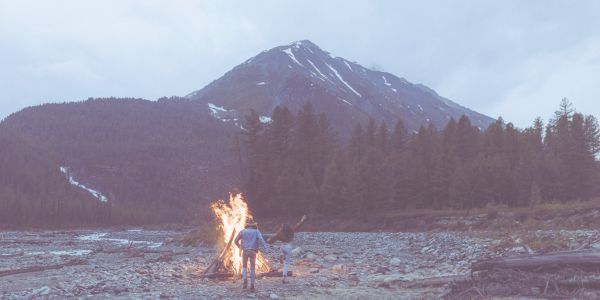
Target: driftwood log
260 275
274 274
218 275
73 262
216 263
588 260
12 255
436 281
27 242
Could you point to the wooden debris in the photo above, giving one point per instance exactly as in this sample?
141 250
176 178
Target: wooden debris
581 259
436 281
162 258
274 274
73 262
27 242
216 263
218 275
12 255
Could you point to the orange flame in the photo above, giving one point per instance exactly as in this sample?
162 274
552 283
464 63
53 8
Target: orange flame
233 216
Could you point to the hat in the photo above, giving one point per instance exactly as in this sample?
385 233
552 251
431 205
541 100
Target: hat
251 223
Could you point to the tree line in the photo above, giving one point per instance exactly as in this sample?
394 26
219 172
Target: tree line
297 164
33 191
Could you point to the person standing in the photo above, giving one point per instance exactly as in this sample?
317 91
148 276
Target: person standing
286 235
250 240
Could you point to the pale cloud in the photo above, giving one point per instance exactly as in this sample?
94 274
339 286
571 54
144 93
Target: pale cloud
516 59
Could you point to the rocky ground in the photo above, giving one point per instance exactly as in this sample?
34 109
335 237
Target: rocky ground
135 263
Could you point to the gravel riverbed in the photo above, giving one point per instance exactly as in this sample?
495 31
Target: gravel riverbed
326 265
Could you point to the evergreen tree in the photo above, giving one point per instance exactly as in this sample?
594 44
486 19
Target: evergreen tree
358 143
382 138
334 191
399 138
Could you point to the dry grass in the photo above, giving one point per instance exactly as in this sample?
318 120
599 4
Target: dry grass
572 215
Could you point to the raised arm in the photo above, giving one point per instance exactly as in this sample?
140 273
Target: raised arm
299 223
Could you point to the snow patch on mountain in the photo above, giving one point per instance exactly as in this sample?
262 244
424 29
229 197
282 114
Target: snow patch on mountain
342 80
385 81
261 83
347 65
265 119
323 75
74 182
289 52
345 101
214 109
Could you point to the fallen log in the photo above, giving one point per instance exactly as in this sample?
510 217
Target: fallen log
274 274
12 255
580 283
27 242
73 262
218 261
581 259
436 281
217 275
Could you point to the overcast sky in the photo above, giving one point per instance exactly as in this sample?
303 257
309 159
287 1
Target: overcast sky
514 59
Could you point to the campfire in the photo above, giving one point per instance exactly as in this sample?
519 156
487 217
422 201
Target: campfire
232 216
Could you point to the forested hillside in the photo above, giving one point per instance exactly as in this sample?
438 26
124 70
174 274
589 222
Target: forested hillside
296 165
33 191
158 161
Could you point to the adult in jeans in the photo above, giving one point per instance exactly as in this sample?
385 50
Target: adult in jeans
250 240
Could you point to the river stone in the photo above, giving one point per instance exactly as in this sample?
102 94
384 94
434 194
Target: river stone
396 262
330 257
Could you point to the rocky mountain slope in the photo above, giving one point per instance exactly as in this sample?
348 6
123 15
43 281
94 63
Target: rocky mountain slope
346 91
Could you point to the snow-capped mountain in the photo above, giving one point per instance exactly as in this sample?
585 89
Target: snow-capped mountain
346 91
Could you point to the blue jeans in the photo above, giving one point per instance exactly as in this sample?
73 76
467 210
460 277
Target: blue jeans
249 255
286 252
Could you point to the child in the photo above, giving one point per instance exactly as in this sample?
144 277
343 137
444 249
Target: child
286 235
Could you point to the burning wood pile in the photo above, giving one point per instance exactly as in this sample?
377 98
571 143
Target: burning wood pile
232 217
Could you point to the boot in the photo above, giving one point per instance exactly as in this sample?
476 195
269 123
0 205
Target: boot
284 280
245 284
252 288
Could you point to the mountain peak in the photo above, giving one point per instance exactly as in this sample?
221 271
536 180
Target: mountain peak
290 75
306 44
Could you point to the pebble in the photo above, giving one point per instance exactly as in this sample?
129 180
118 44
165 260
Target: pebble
395 262
43 291
330 257
338 268
310 256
